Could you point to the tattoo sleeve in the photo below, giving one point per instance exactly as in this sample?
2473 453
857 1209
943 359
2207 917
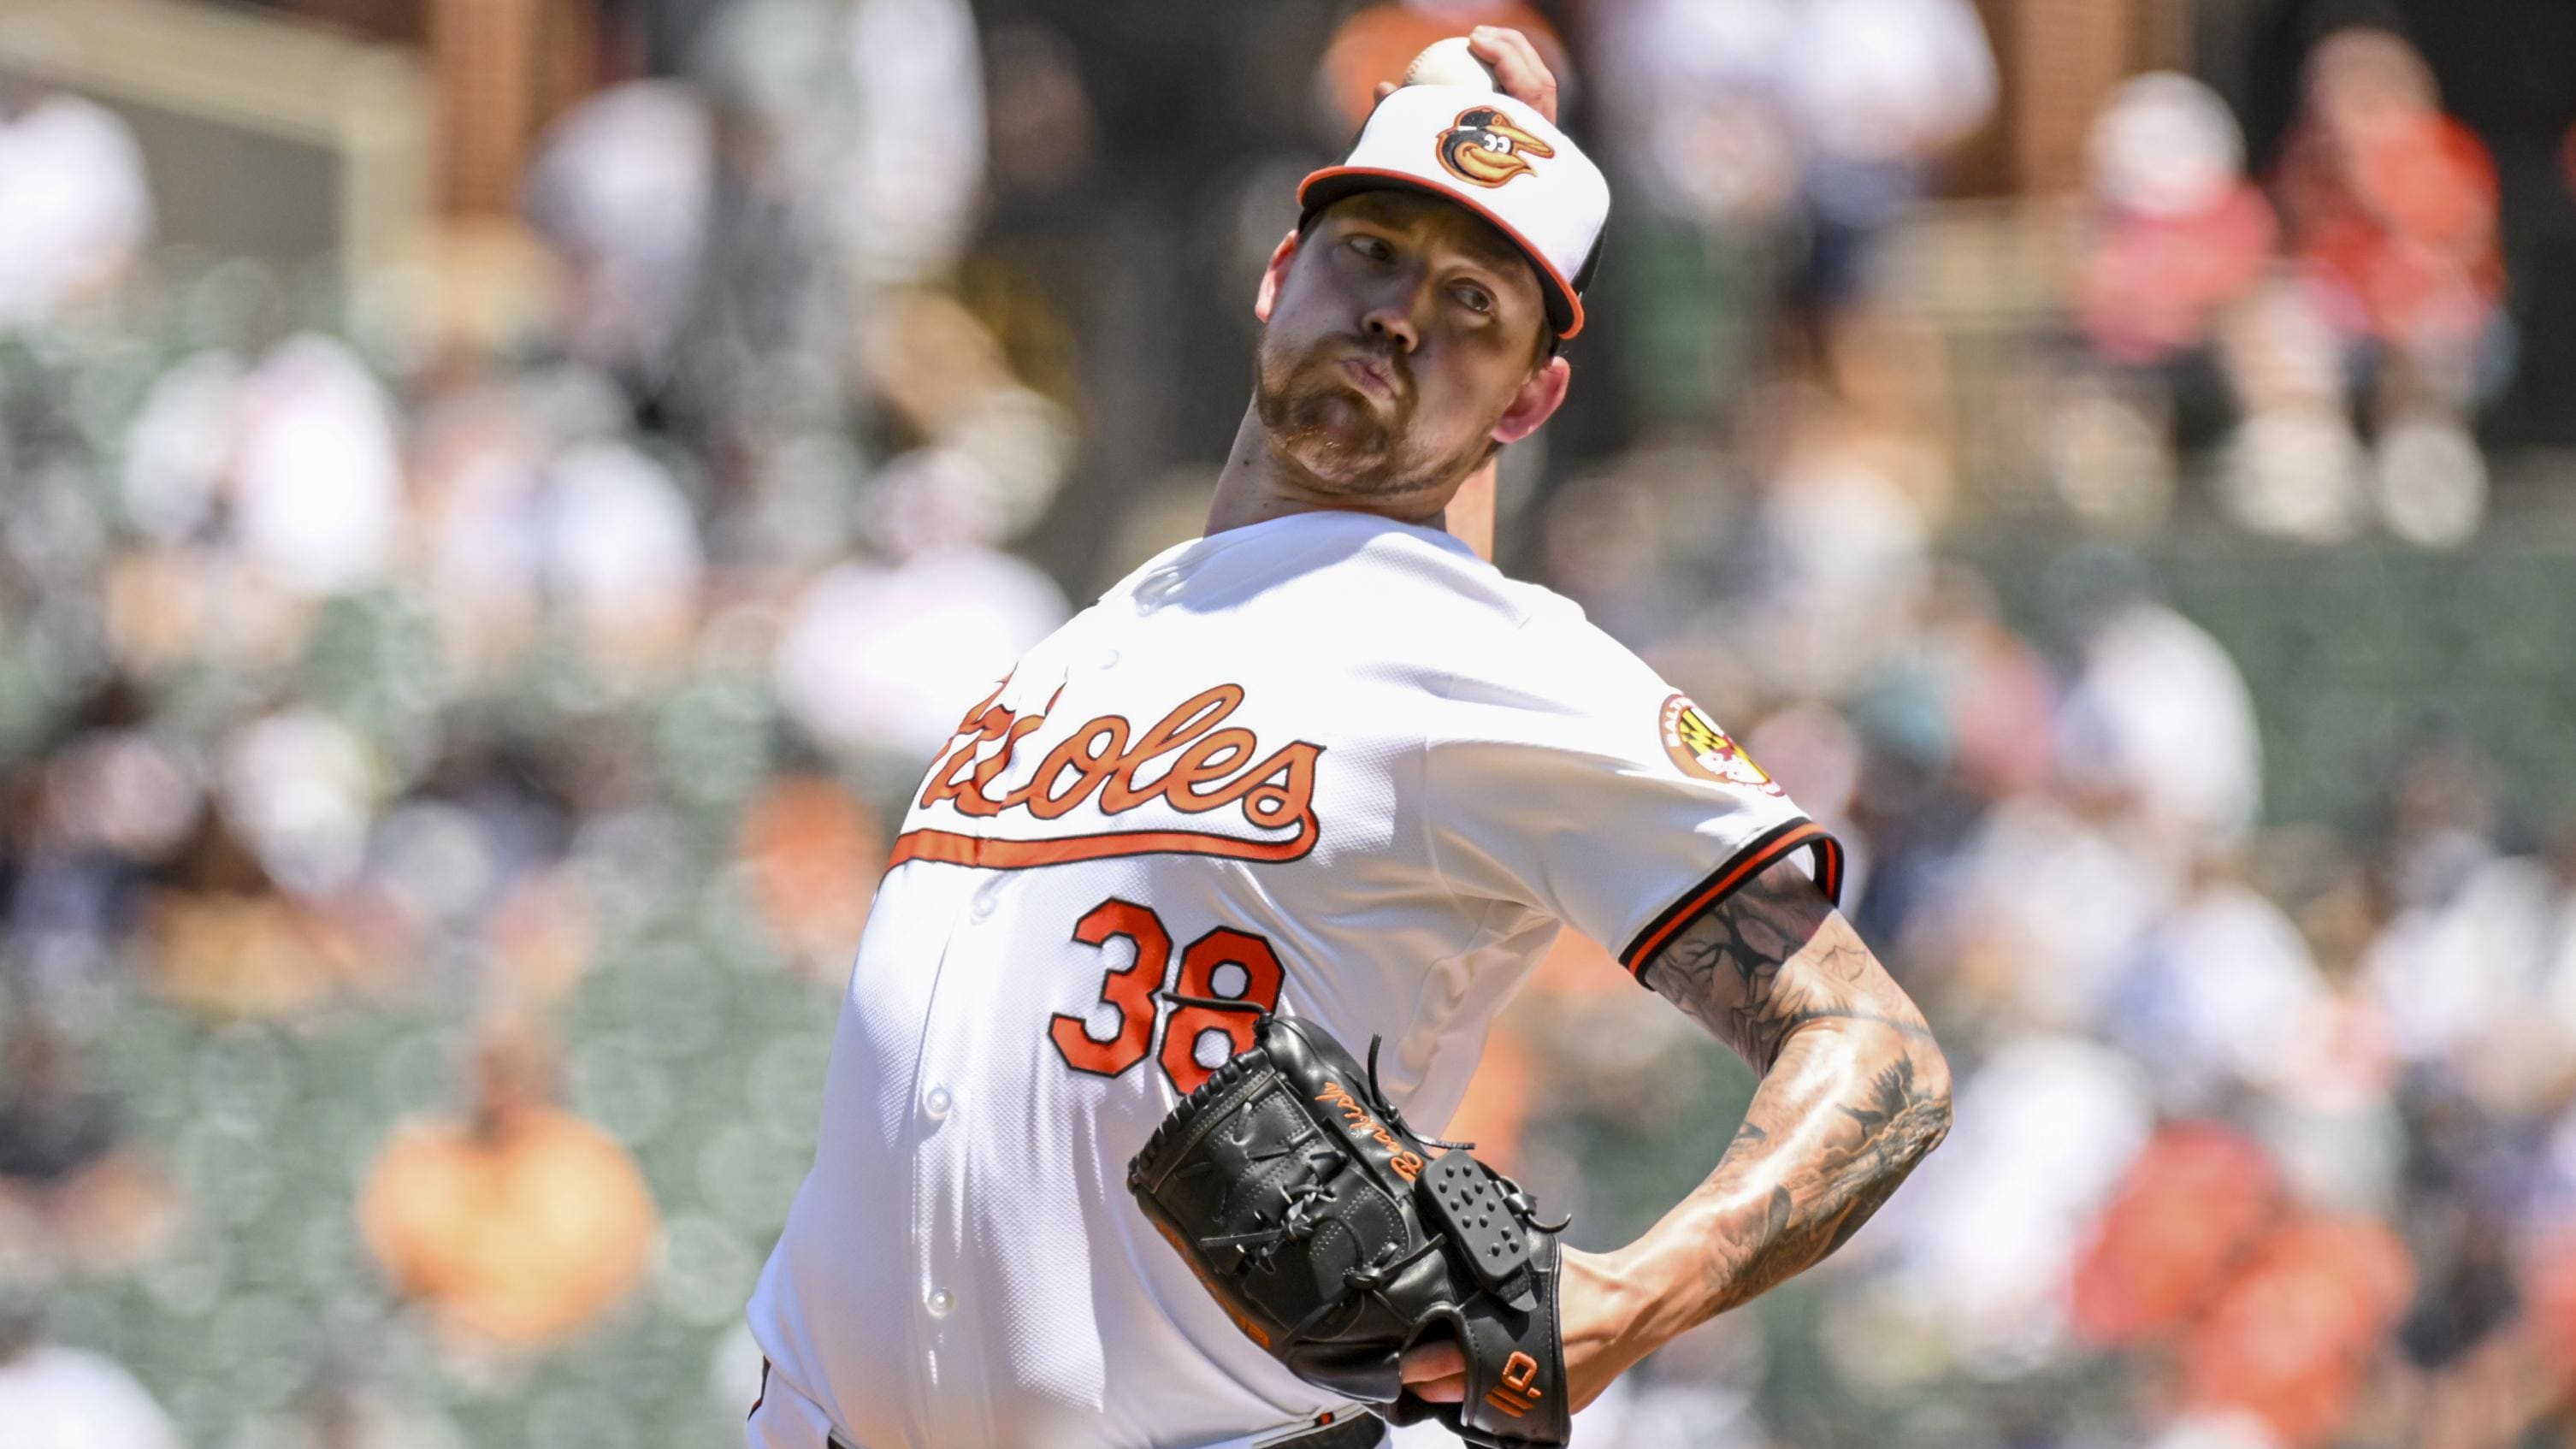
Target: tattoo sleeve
1854 1092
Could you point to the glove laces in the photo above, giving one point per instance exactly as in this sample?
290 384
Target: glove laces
1395 1119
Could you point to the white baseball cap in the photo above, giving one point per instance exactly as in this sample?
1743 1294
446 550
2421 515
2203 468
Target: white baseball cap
1497 157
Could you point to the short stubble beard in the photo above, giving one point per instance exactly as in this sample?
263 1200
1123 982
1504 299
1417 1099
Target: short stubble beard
1338 437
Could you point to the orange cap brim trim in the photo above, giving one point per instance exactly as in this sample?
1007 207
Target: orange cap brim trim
1564 289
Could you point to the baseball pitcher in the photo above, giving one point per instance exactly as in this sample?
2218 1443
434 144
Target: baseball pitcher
1194 931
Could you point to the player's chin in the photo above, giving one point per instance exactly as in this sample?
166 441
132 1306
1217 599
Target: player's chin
1339 441
1351 471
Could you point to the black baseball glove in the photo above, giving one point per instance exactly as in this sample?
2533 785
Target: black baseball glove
1334 1237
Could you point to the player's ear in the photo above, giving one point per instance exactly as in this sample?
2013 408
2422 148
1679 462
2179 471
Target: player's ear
1274 274
1535 403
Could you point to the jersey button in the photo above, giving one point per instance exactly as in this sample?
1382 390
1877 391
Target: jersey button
935 1106
982 906
939 1302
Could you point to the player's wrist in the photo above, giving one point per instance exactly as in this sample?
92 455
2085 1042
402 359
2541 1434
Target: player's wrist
1607 1319
1677 1276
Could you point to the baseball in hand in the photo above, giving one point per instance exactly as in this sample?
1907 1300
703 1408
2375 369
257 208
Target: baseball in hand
1449 63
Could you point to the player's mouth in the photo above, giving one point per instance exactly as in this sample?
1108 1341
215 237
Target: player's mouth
1373 377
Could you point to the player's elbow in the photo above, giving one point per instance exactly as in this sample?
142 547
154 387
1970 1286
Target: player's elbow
1912 1088
1932 1093
1922 1074
1924 1113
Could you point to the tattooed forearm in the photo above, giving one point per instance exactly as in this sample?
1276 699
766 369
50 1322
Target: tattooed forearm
1854 1093
1858 1147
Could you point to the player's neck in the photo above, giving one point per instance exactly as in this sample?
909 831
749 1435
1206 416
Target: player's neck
1259 485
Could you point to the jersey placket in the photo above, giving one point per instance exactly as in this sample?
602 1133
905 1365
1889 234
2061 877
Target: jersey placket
944 1298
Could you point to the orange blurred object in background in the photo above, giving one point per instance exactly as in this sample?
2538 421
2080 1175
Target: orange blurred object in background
2194 1199
2291 1339
815 855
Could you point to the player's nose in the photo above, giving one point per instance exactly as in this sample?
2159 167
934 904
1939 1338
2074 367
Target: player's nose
1391 319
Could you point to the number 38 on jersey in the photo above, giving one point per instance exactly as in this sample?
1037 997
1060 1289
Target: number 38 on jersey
1224 965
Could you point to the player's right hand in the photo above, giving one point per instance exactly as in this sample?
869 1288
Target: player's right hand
1516 66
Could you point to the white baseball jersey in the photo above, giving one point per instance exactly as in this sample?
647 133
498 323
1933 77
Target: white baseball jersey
1327 763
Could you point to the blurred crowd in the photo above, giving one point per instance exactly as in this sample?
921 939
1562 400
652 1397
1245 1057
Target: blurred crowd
2360 299
448 723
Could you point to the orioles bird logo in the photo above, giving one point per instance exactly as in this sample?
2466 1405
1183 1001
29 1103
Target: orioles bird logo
1484 147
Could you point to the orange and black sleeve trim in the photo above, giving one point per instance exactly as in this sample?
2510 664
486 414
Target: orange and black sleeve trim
1773 845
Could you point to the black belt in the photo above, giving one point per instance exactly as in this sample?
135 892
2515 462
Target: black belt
1359 1431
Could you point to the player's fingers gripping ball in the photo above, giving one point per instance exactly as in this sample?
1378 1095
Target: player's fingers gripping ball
1337 1238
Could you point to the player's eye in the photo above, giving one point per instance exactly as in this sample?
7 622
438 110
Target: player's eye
1476 299
1374 248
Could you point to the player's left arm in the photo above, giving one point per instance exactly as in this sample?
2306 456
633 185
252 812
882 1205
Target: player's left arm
1854 1092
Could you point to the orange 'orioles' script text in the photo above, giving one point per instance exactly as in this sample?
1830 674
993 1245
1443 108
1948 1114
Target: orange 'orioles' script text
1213 765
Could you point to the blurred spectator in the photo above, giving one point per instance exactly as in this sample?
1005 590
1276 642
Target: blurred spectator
1633 541
2186 1208
906 193
52 1397
1044 135
2173 235
1882 88
1806 127
769 317
2293 465
946 382
848 144
266 487
74 1190
2479 968
2271 1311
2548 1270
2293 1337
1716 142
2213 988
2179 233
2158 716
1837 553
222 940
1994 1236
477 471
302 789
317 476
618 548
813 853
537 941
1995 689
516 1226
79 210
116 801
2049 957
620 189
970 611
2391 213
2392 207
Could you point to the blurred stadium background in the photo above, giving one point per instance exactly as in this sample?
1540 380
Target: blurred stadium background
498 499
